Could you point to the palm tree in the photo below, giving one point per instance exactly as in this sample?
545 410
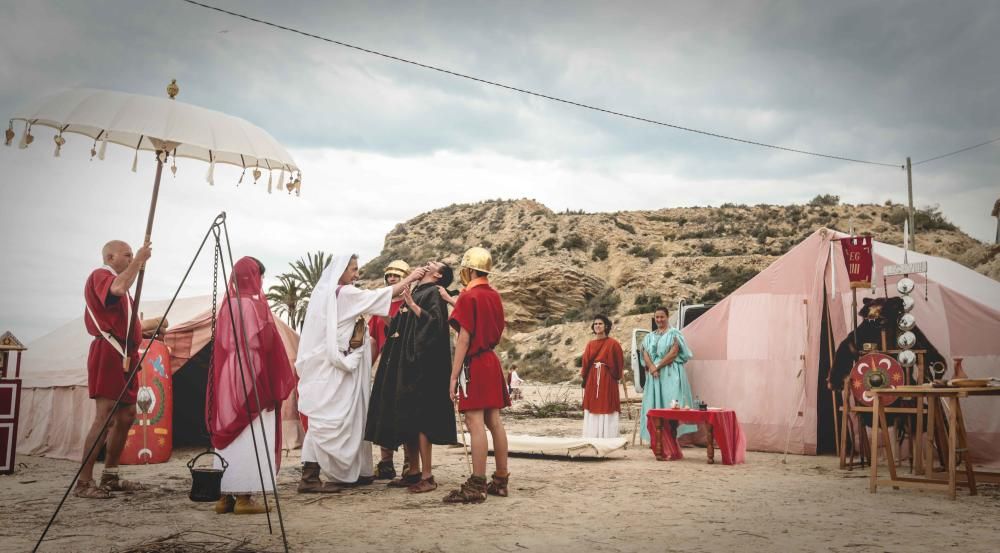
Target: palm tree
288 300
308 271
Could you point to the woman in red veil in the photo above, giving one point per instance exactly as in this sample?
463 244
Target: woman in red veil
261 371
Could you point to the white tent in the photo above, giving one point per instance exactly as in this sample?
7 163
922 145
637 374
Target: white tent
56 410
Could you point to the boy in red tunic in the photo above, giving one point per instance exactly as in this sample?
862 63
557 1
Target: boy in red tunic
113 354
477 380
378 328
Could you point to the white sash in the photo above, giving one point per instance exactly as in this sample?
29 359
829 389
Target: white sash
120 348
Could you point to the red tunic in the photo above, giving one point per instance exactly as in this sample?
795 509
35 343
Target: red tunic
480 312
378 326
602 369
105 372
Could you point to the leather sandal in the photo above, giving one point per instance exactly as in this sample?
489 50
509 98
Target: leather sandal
405 481
424 485
115 484
385 470
87 490
498 486
472 491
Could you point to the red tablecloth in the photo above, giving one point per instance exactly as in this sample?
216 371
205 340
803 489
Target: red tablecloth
728 434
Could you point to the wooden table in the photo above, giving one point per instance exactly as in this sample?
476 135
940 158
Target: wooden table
934 398
720 424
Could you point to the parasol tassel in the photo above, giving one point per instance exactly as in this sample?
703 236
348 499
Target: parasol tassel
269 175
281 180
210 177
26 138
135 160
59 140
104 146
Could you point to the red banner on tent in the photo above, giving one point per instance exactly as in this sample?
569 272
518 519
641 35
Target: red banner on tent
858 257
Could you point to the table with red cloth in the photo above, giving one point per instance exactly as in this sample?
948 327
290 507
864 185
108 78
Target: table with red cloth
721 426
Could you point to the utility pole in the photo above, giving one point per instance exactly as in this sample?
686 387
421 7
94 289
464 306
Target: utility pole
909 193
996 213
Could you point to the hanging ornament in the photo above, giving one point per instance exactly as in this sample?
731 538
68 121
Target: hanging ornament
210 177
26 138
906 340
281 180
908 303
9 135
256 174
93 150
59 140
907 322
907 358
905 285
173 165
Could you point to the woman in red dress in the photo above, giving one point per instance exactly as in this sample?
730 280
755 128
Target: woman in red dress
601 371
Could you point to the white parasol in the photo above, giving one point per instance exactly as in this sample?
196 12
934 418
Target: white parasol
161 125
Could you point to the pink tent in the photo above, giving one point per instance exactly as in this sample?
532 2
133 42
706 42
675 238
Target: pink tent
758 351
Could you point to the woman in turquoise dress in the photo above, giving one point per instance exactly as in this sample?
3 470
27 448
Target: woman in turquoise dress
664 353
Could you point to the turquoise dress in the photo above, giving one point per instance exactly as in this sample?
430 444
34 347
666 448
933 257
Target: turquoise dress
672 382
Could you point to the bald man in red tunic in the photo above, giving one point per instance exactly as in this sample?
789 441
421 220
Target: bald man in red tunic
477 380
114 352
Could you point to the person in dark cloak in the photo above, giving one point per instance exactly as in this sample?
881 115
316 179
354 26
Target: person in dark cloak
410 403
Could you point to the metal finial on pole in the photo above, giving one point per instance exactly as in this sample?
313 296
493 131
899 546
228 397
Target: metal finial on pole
173 89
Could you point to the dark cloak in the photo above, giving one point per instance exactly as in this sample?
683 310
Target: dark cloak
410 394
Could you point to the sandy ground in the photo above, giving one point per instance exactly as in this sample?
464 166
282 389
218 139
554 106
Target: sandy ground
628 503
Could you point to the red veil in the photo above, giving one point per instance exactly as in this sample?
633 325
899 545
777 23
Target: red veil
265 362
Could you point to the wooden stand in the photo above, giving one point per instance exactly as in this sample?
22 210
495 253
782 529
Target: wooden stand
954 440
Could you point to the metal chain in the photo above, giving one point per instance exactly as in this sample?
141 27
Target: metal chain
211 359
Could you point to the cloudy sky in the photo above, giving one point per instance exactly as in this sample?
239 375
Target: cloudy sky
380 141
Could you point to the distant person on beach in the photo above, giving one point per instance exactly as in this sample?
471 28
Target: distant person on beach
251 376
601 370
114 353
477 380
334 364
514 383
378 328
664 353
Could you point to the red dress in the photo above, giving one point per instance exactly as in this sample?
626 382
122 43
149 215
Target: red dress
602 367
480 312
105 371
378 326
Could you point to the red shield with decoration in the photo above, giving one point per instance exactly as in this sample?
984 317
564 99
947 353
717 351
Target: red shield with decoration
875 371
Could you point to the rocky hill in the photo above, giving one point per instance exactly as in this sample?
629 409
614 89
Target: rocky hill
556 269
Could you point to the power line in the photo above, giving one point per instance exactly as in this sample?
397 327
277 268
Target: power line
539 94
966 149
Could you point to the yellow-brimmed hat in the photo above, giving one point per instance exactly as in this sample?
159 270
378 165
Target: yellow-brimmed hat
398 267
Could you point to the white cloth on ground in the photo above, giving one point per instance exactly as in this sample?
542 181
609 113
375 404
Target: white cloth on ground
242 477
600 426
335 383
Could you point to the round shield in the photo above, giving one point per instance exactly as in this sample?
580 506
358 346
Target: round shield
875 371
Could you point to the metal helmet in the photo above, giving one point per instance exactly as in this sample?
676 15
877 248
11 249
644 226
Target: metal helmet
397 267
475 259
